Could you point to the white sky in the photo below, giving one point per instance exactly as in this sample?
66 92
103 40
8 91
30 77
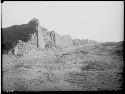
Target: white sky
102 21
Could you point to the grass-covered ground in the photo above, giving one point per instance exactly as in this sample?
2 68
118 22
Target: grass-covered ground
87 68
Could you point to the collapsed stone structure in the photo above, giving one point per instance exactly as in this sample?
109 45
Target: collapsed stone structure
41 40
48 39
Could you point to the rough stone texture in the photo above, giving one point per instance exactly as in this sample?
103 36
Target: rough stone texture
23 48
49 38
46 39
41 41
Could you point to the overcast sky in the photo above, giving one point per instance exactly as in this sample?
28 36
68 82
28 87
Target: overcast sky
101 21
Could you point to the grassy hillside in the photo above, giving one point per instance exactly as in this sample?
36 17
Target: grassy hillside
97 67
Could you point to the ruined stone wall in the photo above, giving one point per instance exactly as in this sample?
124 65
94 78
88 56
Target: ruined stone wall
50 40
22 48
41 42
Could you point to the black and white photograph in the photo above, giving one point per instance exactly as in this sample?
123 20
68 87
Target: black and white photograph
62 46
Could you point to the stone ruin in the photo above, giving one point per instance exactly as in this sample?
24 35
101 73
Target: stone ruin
42 41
